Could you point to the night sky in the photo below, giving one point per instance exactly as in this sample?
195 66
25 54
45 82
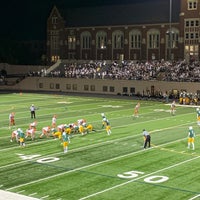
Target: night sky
26 19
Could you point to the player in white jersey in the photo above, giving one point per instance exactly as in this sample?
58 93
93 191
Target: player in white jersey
53 121
173 108
81 121
33 125
30 133
14 135
45 131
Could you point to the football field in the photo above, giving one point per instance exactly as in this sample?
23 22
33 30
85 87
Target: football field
99 166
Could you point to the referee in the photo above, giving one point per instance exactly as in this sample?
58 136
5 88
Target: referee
32 109
147 139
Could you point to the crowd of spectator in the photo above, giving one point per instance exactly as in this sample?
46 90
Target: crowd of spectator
125 70
129 70
179 71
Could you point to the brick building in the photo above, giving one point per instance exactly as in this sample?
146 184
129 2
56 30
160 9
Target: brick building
167 29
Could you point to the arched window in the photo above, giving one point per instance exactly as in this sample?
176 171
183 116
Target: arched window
72 42
101 40
172 38
86 40
135 39
153 39
118 39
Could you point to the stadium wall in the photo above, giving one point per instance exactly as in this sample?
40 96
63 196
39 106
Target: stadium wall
100 86
20 69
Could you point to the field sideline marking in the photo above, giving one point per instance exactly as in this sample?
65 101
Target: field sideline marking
133 180
194 197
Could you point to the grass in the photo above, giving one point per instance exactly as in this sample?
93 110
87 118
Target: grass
98 166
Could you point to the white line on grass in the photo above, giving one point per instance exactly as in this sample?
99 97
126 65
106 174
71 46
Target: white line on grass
44 197
133 180
194 197
21 191
32 194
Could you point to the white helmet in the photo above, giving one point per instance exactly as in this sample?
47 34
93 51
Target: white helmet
197 109
103 115
190 128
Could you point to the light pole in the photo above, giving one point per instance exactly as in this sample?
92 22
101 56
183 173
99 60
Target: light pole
170 30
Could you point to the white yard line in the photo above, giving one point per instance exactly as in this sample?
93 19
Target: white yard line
195 197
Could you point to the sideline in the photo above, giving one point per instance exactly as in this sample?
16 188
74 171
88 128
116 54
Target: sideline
14 196
195 197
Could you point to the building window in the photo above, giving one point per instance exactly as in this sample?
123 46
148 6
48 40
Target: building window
54 45
191 32
71 42
54 20
86 87
192 4
85 40
51 86
172 39
101 40
187 36
153 38
40 85
125 90
132 90
57 86
105 88
68 86
192 23
192 50
92 87
135 39
118 40
112 89
74 86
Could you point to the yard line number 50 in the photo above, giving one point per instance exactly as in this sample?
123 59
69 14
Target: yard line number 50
150 179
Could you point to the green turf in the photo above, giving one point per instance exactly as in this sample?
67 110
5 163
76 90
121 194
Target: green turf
98 166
